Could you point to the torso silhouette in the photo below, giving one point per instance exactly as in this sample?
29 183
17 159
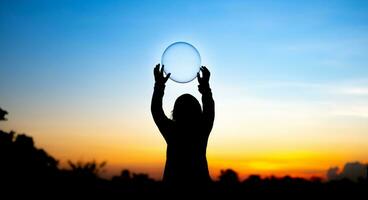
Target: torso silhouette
186 140
186 154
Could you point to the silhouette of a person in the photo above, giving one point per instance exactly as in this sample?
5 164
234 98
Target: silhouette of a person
186 134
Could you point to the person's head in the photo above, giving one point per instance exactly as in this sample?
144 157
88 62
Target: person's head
186 109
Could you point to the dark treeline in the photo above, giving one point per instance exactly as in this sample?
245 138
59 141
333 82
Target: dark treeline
29 171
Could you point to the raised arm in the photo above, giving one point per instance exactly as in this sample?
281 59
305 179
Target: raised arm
207 100
163 123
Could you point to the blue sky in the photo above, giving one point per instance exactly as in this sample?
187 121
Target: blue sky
65 65
263 40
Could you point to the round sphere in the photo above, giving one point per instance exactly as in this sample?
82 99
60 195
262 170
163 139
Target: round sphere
182 60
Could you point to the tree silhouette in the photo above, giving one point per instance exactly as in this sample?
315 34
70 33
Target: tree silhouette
90 169
228 177
2 114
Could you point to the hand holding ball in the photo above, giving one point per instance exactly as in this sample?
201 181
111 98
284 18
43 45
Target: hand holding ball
182 60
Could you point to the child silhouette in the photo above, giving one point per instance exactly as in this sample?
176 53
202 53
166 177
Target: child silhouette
186 134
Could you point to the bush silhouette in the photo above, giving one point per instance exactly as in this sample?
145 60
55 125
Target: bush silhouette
26 170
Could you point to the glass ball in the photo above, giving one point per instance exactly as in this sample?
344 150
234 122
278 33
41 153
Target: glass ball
182 60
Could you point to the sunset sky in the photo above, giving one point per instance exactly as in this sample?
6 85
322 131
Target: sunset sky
289 79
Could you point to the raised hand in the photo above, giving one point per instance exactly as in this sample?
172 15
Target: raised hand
159 75
205 76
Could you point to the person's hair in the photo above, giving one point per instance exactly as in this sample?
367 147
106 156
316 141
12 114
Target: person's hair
186 109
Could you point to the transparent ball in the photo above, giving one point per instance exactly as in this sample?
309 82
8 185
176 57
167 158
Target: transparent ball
182 60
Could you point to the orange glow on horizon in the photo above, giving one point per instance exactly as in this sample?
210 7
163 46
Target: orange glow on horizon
133 142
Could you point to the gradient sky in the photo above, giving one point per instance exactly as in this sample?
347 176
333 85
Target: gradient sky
289 78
